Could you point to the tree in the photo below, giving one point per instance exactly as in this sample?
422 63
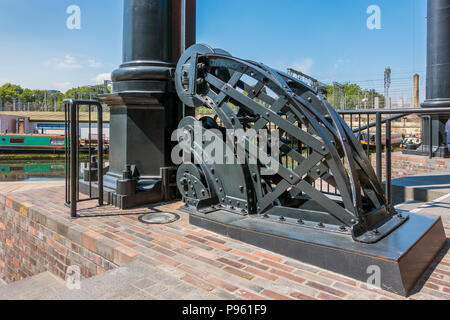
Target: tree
9 91
27 95
353 97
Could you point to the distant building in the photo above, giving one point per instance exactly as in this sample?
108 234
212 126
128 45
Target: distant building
16 124
377 103
45 123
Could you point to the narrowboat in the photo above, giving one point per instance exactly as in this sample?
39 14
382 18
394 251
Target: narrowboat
32 143
396 140
41 143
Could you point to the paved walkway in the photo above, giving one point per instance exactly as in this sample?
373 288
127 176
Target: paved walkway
31 288
209 266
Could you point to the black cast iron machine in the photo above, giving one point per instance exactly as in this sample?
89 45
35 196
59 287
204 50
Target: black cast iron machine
283 209
349 227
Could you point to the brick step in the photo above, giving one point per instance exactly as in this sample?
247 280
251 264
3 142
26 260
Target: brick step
135 281
31 288
421 188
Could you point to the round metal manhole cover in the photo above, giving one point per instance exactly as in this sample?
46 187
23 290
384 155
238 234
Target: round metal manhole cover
159 218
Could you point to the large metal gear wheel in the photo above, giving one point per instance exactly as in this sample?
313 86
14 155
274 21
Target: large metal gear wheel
317 147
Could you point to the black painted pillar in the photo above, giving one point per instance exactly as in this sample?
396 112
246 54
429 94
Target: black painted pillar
145 109
438 79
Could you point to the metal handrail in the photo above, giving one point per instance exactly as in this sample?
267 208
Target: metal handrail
443 110
396 114
71 112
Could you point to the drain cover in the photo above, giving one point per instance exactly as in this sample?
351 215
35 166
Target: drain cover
159 218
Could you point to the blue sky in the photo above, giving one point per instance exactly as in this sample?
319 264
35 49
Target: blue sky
328 39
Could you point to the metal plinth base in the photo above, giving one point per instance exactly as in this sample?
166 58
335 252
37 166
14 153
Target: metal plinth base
402 257
140 198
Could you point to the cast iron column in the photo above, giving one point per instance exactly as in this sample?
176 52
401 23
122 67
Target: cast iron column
145 109
438 78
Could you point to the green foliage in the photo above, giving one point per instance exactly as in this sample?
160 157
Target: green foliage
9 91
353 98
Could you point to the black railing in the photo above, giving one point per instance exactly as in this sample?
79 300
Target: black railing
394 114
73 151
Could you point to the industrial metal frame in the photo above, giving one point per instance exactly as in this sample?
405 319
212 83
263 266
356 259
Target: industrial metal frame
315 142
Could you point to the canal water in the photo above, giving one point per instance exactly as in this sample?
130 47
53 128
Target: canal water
32 170
35 170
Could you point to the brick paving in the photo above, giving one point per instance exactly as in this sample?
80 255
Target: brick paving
216 266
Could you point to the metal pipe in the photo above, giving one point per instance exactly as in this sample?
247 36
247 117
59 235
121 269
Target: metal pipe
430 136
100 152
154 38
379 149
66 153
436 110
368 135
438 52
388 162
373 124
90 151
73 160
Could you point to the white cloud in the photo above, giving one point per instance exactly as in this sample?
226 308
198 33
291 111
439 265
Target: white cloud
337 65
4 81
303 65
94 64
100 78
62 86
67 62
